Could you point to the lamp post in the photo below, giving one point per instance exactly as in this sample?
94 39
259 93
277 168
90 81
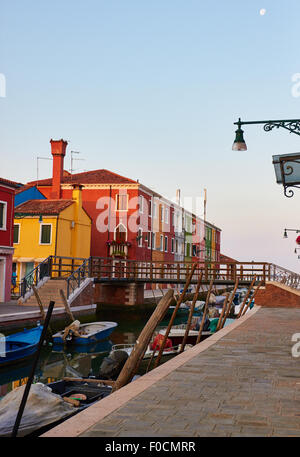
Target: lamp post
287 166
290 230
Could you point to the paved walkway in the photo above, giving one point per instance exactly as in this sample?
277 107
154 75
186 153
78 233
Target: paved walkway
245 384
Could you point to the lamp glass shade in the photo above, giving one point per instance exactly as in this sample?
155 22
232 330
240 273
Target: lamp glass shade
239 143
285 234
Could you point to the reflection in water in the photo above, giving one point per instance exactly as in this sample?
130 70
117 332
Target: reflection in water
58 361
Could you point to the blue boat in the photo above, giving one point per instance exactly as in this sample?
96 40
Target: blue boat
19 346
89 333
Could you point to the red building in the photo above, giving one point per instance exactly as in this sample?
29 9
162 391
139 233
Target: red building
7 195
120 208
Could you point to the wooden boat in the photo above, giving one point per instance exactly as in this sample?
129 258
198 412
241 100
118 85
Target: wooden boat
89 333
19 346
177 333
149 352
75 396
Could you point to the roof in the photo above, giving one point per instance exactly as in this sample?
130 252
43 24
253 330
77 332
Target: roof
8 182
225 258
88 177
47 207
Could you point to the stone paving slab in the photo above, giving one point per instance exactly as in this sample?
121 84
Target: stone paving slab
245 384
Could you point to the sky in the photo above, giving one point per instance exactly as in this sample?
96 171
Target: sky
150 90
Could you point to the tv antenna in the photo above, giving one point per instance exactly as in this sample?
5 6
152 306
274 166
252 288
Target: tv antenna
72 160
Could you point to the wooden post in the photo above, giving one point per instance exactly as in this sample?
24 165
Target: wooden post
252 298
43 315
224 307
143 340
188 325
179 301
246 296
229 304
205 311
66 305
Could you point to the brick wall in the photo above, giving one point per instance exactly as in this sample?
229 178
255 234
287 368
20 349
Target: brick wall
277 295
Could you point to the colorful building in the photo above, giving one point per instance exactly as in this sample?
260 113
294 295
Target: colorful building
7 195
50 227
129 220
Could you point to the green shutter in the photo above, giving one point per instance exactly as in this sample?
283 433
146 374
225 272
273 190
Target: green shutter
46 234
16 233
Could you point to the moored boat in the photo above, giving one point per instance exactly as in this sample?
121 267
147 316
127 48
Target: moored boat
19 346
49 405
86 334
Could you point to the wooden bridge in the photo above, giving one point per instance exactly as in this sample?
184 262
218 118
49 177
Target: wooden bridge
130 276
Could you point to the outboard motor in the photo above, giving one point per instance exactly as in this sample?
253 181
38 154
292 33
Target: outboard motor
112 365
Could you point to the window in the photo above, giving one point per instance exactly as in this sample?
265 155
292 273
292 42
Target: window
154 209
141 201
45 233
172 245
187 249
176 246
166 244
162 213
172 218
140 237
161 242
3 210
153 241
121 202
149 240
120 233
150 208
16 233
194 249
167 215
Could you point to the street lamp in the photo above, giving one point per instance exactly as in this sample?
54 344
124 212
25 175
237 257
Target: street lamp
287 166
290 230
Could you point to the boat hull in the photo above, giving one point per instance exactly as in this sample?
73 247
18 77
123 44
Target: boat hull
20 346
97 331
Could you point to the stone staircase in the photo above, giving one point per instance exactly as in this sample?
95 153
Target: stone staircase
49 291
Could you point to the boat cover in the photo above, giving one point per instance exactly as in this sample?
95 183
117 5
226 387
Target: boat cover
42 408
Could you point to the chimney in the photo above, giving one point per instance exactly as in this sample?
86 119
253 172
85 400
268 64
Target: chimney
77 194
58 151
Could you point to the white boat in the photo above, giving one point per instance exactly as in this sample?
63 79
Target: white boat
149 352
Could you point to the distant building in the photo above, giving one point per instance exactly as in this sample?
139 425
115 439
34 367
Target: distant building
25 193
7 195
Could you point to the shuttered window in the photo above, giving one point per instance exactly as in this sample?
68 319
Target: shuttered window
45 234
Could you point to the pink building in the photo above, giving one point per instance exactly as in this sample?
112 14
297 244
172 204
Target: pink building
7 195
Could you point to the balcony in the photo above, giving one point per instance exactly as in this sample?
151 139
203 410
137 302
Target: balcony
118 249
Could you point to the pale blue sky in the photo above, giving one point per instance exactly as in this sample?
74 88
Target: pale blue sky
150 90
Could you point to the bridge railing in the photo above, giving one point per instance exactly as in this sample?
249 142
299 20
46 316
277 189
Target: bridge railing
152 271
54 267
284 276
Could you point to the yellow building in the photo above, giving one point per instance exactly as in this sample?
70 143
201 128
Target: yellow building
50 227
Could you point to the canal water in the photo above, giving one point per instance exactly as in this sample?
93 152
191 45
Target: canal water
58 361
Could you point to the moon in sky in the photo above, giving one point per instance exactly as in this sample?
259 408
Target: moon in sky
262 11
